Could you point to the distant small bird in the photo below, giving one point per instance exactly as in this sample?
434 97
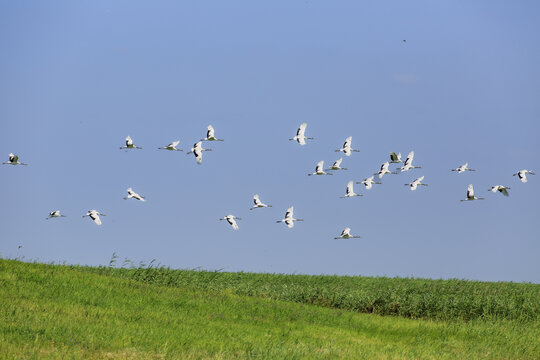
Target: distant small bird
522 175
210 135
301 135
258 203
289 219
19 247
384 170
463 168
13 160
54 214
346 234
347 149
368 183
470 194
349 192
197 150
319 169
404 41
336 165
133 195
129 144
415 183
408 163
395 158
172 146
94 215
502 189
231 219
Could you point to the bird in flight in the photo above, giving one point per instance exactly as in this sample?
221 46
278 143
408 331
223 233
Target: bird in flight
197 150
500 188
368 183
395 158
522 175
463 168
349 192
346 234
54 214
470 194
347 149
231 219
336 165
408 163
258 203
319 169
289 219
416 182
133 195
384 170
301 135
94 215
210 135
13 160
129 144
172 146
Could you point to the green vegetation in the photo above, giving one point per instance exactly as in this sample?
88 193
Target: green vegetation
71 312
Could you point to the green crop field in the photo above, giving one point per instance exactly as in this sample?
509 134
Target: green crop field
148 312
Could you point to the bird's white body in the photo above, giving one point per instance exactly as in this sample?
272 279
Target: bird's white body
300 136
258 203
197 150
94 215
416 182
384 170
463 168
347 149
408 163
470 194
349 192
368 183
55 214
522 175
319 169
210 134
231 219
289 219
346 234
500 188
13 160
172 146
129 144
337 165
133 195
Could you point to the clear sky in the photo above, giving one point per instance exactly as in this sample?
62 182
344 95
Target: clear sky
77 77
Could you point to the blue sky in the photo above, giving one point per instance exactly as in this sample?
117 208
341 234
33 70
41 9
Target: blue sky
78 77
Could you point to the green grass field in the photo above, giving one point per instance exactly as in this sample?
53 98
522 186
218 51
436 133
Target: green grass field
71 312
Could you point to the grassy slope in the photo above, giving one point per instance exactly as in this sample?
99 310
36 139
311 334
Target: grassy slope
58 312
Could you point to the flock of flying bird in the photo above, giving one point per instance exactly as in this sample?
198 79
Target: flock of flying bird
300 137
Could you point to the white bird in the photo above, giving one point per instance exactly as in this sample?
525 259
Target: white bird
172 146
301 135
94 215
258 203
197 150
13 160
289 219
210 135
500 188
231 219
368 183
395 158
54 214
384 170
347 149
415 183
408 163
346 234
129 144
470 194
133 195
337 165
463 168
319 169
522 175
350 191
